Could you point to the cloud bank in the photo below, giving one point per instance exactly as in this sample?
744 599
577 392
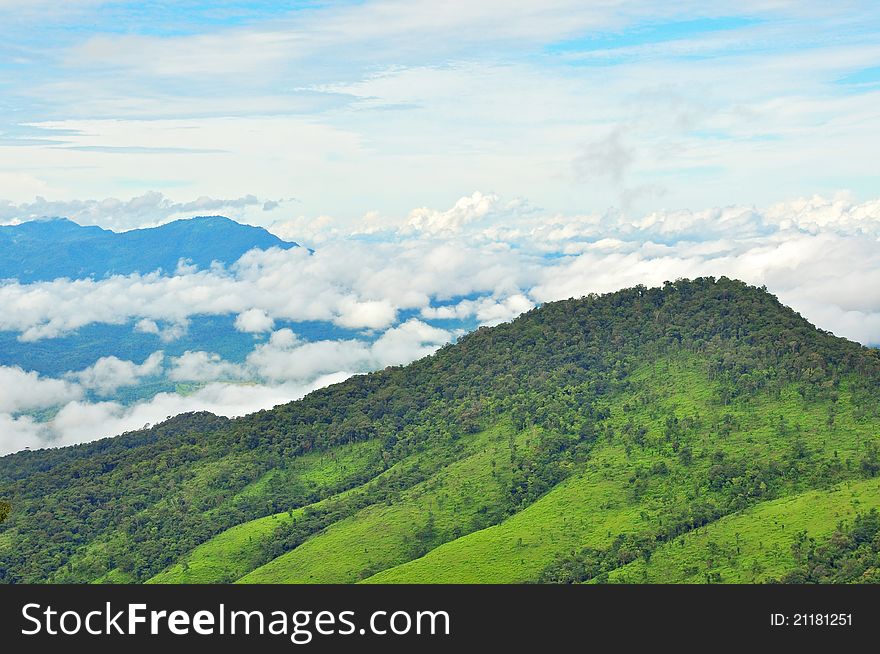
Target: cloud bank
108 374
406 286
280 370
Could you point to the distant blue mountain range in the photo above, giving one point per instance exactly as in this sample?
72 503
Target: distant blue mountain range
43 250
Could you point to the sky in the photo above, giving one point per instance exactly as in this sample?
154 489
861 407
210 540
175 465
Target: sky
345 108
448 164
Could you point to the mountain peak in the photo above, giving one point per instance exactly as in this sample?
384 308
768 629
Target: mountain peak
49 225
88 251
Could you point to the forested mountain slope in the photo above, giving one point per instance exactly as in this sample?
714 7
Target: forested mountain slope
668 434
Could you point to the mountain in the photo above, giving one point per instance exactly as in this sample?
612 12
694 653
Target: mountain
78 251
698 432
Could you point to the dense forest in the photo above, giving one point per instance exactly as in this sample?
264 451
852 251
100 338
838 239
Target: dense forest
652 434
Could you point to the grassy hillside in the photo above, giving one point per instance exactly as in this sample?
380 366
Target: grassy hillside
651 489
245 547
755 544
660 435
459 498
236 551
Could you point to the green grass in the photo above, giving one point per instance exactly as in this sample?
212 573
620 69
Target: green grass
383 535
235 551
225 557
316 473
755 544
582 509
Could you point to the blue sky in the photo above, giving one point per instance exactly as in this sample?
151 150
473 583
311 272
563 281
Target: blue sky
345 108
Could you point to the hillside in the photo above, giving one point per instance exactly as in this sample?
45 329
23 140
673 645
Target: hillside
80 251
698 432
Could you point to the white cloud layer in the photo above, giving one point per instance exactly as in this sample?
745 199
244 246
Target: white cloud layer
108 374
483 261
286 368
25 391
503 253
79 422
203 367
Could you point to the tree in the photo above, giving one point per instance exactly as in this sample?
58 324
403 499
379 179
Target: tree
685 455
4 511
870 462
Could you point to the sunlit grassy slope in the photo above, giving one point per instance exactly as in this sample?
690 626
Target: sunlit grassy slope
457 499
592 507
236 551
754 544
382 542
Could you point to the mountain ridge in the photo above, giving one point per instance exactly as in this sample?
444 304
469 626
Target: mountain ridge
80 251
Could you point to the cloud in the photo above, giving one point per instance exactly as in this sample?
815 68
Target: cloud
43 11
349 95
490 269
26 391
254 321
466 210
147 326
174 330
372 314
79 422
304 229
108 374
487 310
609 162
286 358
355 285
386 29
19 433
407 342
203 367
605 158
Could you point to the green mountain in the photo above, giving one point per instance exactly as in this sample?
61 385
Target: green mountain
698 432
86 251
